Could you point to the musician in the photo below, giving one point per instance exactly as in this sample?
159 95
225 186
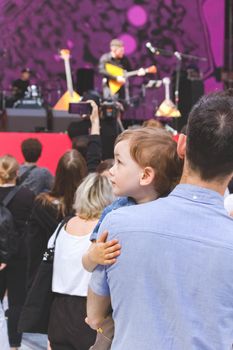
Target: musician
116 57
20 86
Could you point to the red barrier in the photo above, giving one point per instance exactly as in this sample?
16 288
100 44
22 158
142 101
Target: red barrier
54 145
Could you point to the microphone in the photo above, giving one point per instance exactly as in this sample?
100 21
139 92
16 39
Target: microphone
150 47
157 51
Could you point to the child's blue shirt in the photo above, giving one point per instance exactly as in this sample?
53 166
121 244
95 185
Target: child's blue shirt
118 203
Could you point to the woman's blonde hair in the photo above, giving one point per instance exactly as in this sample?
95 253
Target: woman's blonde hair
92 196
8 168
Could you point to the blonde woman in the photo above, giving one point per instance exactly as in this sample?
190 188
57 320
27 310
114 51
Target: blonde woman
67 328
13 276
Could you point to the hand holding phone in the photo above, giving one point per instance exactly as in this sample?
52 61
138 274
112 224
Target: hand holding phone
81 108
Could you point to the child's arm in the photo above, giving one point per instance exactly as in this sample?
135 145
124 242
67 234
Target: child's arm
101 253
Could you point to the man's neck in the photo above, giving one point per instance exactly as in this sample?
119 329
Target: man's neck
115 56
192 178
29 163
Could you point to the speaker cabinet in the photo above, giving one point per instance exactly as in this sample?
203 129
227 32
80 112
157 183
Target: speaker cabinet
62 119
85 80
25 120
190 90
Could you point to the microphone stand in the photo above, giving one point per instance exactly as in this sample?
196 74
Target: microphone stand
179 56
127 95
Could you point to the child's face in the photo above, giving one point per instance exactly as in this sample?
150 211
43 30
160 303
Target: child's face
126 173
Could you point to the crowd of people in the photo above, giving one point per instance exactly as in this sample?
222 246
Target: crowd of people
143 244
148 232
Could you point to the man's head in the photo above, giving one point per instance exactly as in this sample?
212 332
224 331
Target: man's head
117 48
31 149
25 74
209 146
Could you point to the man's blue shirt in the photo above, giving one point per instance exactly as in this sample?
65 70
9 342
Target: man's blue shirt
118 203
172 286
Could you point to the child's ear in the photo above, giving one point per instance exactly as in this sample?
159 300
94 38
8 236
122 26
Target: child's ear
181 146
147 176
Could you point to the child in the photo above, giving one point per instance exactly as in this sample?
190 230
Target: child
146 167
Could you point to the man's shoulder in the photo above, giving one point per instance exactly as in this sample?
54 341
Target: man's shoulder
16 81
128 216
43 170
36 170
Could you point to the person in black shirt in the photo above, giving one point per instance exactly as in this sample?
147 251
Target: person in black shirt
19 87
115 57
13 276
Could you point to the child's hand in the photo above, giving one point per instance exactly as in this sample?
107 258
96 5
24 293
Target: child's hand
104 253
2 266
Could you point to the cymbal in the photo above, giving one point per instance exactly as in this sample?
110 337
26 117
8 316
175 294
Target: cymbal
167 109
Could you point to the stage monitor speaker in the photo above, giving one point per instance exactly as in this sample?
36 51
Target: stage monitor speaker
85 80
62 119
25 120
190 90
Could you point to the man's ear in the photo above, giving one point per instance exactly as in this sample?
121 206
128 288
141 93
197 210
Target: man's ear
181 146
147 176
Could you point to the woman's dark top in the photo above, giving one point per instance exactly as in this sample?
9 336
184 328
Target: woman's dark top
42 224
20 207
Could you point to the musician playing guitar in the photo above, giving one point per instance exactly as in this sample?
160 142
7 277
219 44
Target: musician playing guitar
112 63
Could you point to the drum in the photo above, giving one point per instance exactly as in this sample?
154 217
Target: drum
33 91
32 98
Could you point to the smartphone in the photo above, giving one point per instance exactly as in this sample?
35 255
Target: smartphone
80 108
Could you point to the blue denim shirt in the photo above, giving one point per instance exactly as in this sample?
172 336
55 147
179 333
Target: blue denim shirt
172 286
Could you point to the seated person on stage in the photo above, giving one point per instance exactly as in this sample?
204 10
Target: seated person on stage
19 87
116 57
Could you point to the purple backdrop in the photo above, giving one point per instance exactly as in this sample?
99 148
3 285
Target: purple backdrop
32 32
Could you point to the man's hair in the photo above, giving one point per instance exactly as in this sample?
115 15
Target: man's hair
31 149
26 70
210 136
116 43
92 196
80 143
155 148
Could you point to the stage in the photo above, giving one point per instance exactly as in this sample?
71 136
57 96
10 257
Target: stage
54 145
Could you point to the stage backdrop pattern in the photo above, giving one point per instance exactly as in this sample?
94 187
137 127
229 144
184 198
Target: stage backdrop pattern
32 32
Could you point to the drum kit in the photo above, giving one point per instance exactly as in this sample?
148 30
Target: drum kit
36 96
32 98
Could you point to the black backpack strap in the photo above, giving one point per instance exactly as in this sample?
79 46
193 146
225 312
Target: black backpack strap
10 196
23 177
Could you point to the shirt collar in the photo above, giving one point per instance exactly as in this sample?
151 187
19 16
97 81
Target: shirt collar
198 194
